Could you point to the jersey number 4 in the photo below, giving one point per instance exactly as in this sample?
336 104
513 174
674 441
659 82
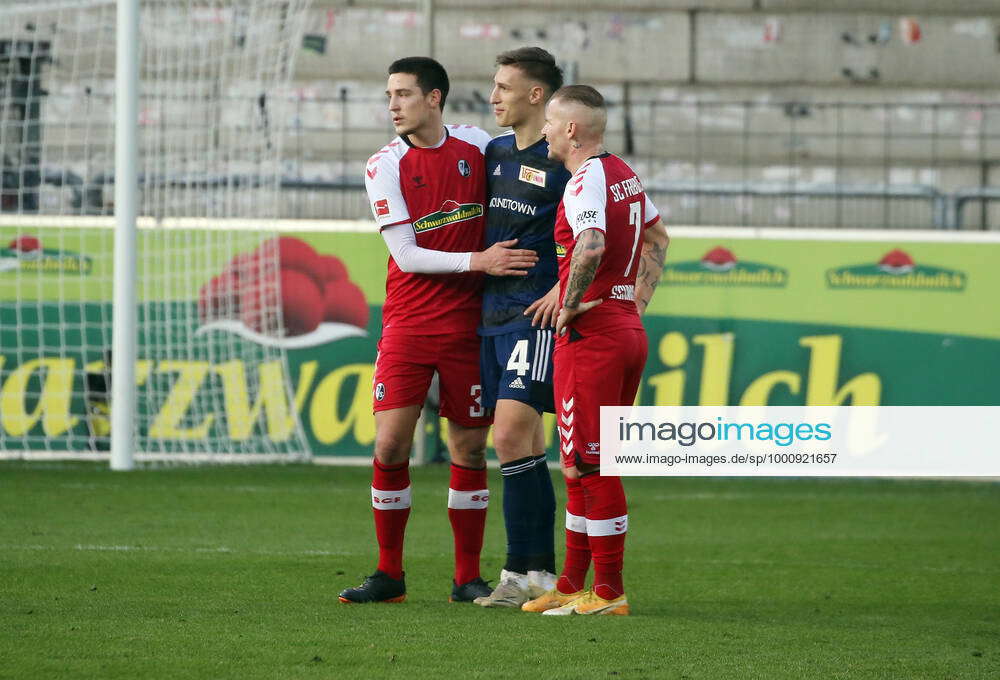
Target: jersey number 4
518 360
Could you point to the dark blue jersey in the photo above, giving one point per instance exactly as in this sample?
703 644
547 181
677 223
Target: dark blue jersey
524 189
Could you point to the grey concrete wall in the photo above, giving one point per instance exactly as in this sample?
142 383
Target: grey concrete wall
816 48
769 101
884 6
653 45
868 6
360 42
611 5
605 46
772 125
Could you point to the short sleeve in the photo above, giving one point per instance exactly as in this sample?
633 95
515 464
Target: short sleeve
650 211
585 199
472 135
384 195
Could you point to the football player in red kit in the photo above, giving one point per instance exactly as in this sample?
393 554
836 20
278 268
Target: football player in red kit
611 246
427 193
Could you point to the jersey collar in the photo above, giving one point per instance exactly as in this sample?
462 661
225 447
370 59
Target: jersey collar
406 140
530 146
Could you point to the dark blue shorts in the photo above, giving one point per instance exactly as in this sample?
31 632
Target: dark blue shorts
518 366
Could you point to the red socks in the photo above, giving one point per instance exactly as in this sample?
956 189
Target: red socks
574 573
391 507
607 522
596 524
467 501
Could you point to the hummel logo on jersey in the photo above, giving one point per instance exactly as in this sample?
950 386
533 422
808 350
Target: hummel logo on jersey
418 182
517 384
496 171
575 185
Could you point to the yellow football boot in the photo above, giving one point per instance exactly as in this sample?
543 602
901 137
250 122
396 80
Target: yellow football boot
590 604
551 599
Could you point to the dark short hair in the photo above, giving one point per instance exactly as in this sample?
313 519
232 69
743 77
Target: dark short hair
535 63
429 73
580 94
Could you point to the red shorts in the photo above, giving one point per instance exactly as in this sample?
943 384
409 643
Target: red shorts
591 372
405 366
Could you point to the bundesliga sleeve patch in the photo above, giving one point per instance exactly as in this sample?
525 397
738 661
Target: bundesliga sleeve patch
382 207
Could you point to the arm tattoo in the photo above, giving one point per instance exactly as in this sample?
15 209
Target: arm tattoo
583 266
650 270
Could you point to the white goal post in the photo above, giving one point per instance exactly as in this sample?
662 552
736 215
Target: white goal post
124 331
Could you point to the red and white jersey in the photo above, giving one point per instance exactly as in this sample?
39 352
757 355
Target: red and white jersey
604 193
441 191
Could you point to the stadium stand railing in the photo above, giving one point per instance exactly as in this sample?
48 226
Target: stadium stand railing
890 164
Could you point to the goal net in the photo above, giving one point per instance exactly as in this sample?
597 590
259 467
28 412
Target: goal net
212 371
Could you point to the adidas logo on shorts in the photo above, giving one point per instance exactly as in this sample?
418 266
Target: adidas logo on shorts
518 384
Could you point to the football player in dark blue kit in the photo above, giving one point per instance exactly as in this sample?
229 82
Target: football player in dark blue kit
519 313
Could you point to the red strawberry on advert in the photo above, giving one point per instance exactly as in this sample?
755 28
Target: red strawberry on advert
332 268
219 298
896 262
343 302
294 253
25 244
259 305
719 259
245 267
301 302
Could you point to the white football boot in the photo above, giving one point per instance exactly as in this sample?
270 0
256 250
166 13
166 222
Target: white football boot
512 591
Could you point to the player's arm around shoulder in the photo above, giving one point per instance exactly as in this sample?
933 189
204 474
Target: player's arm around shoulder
471 134
483 139
655 242
503 259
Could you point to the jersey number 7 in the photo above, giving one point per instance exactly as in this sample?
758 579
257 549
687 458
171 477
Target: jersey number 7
635 219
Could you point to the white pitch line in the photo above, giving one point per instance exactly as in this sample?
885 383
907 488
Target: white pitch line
775 564
153 548
763 564
831 495
322 491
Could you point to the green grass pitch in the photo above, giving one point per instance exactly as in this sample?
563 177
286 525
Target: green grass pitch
233 572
